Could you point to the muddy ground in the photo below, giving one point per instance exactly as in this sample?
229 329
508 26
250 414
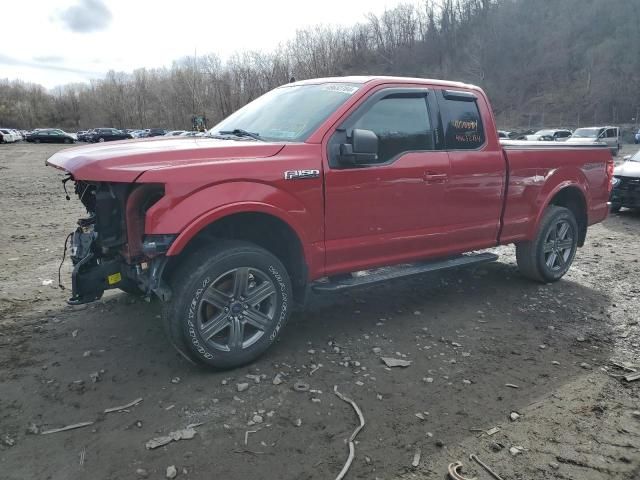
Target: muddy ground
468 334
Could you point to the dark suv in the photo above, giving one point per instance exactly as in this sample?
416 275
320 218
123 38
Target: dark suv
156 132
107 135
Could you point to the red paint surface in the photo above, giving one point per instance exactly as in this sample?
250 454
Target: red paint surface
424 204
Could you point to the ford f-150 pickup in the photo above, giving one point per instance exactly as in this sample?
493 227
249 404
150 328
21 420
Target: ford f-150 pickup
322 184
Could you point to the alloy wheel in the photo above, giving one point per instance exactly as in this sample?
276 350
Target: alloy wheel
237 309
559 245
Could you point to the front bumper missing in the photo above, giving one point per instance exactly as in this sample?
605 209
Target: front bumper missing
94 273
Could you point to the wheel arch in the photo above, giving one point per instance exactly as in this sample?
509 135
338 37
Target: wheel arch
572 196
259 225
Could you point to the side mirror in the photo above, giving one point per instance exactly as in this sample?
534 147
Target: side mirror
362 149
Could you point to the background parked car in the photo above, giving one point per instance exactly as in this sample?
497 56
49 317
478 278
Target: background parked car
549 135
636 140
107 135
626 184
174 133
8 136
50 135
156 132
609 135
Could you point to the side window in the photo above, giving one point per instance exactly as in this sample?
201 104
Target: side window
611 133
401 123
462 123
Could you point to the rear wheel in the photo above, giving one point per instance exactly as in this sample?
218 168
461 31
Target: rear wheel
228 304
615 208
548 257
101 139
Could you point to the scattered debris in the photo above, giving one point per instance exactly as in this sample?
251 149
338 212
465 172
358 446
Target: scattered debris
315 369
416 458
298 422
427 379
242 387
511 385
492 431
83 454
495 446
376 350
257 419
68 427
585 365
47 282
74 334
489 471
185 434
301 387
142 473
175 380
123 407
277 380
454 472
514 416
172 472
516 450
8 441
246 435
395 362
581 339
632 377
95 377
636 414
352 447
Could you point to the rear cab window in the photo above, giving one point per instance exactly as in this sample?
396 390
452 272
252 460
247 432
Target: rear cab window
461 121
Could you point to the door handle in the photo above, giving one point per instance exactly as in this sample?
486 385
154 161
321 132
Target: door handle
432 177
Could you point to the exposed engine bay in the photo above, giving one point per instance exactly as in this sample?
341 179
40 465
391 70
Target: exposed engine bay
109 249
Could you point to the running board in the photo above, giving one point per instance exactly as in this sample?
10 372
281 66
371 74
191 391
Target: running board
380 275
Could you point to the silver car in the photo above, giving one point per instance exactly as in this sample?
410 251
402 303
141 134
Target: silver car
609 135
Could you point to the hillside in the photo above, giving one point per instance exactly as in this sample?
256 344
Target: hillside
543 62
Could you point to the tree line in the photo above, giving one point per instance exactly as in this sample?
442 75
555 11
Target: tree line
543 63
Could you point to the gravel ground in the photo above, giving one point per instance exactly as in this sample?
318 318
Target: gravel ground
468 334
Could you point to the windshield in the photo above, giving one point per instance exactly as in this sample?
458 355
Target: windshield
544 132
289 113
587 133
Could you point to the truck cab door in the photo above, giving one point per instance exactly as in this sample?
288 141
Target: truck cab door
476 185
387 208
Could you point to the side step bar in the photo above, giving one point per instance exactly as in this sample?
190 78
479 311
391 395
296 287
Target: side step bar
380 275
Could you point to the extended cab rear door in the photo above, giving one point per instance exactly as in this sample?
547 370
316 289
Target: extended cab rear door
476 182
389 209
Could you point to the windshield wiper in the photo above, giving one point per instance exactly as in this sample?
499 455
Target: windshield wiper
238 132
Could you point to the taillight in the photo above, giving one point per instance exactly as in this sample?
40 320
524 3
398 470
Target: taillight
610 167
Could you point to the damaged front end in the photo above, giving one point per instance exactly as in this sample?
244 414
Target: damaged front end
109 249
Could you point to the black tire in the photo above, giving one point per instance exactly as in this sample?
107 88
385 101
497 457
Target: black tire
67 140
615 208
547 258
203 302
37 140
101 140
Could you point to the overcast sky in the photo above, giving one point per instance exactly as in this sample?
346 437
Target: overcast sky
53 42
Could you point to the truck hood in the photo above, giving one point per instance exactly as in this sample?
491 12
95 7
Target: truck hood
628 169
126 160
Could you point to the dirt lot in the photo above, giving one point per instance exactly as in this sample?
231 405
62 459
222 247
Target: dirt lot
467 333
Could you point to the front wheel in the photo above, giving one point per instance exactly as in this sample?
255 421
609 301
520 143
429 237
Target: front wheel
228 305
548 257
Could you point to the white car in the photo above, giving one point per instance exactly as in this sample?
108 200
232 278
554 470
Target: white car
549 135
174 133
8 136
590 135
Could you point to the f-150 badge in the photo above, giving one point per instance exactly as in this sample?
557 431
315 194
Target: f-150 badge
301 174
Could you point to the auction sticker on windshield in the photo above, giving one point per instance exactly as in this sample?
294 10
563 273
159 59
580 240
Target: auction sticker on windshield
339 87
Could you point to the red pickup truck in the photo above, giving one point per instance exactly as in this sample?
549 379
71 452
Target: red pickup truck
310 183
